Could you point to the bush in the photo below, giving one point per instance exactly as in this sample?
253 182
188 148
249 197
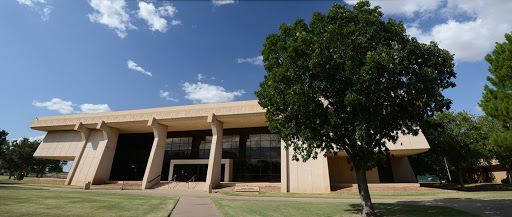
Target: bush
505 181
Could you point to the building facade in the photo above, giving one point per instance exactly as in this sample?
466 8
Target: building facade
211 143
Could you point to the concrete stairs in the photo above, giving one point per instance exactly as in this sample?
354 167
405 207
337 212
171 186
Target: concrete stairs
197 186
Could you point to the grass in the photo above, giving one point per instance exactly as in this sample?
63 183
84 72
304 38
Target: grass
6 177
230 207
73 203
32 181
381 195
18 188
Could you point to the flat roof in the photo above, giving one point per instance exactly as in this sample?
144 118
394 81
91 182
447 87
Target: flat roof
238 114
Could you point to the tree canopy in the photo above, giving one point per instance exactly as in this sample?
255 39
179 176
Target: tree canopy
461 138
348 82
17 157
497 100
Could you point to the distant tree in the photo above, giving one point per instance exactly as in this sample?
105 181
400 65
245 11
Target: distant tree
491 127
7 159
18 159
461 138
4 148
41 166
349 82
497 100
431 162
21 155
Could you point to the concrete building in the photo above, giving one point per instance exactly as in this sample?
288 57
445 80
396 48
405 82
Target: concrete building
212 143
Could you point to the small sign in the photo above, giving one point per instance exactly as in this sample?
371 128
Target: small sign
247 189
87 186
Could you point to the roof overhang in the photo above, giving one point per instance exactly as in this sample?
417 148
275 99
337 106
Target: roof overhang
240 114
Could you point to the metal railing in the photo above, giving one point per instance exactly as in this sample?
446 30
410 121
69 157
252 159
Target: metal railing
191 179
173 179
154 179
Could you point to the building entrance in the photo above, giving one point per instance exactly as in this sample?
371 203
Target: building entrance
185 172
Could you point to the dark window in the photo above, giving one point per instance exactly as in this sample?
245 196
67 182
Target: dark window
131 156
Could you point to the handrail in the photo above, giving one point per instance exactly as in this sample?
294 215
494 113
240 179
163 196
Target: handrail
191 179
173 179
153 179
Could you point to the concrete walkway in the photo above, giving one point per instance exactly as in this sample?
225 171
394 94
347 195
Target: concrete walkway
200 204
195 206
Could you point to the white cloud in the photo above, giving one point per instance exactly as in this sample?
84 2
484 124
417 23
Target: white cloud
45 14
134 66
222 2
34 138
92 108
153 16
67 107
478 109
471 39
200 76
207 93
56 104
175 22
404 7
31 2
37 5
112 13
255 60
26 2
167 97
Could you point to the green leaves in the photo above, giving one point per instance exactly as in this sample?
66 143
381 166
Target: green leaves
497 100
348 82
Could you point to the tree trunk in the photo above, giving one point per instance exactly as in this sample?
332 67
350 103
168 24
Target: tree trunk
364 194
461 181
509 173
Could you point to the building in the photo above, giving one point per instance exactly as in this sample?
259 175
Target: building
214 143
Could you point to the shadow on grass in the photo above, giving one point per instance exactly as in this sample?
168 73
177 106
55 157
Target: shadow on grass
488 207
395 209
469 188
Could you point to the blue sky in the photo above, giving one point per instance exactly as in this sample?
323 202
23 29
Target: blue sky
67 57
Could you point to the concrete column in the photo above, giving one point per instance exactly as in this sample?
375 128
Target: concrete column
156 157
402 170
171 171
284 168
109 143
214 162
311 176
228 170
84 132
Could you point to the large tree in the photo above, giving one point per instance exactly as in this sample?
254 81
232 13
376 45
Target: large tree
349 82
497 100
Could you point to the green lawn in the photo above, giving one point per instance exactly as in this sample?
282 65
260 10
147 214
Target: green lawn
72 203
5 177
18 188
381 195
231 207
32 181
